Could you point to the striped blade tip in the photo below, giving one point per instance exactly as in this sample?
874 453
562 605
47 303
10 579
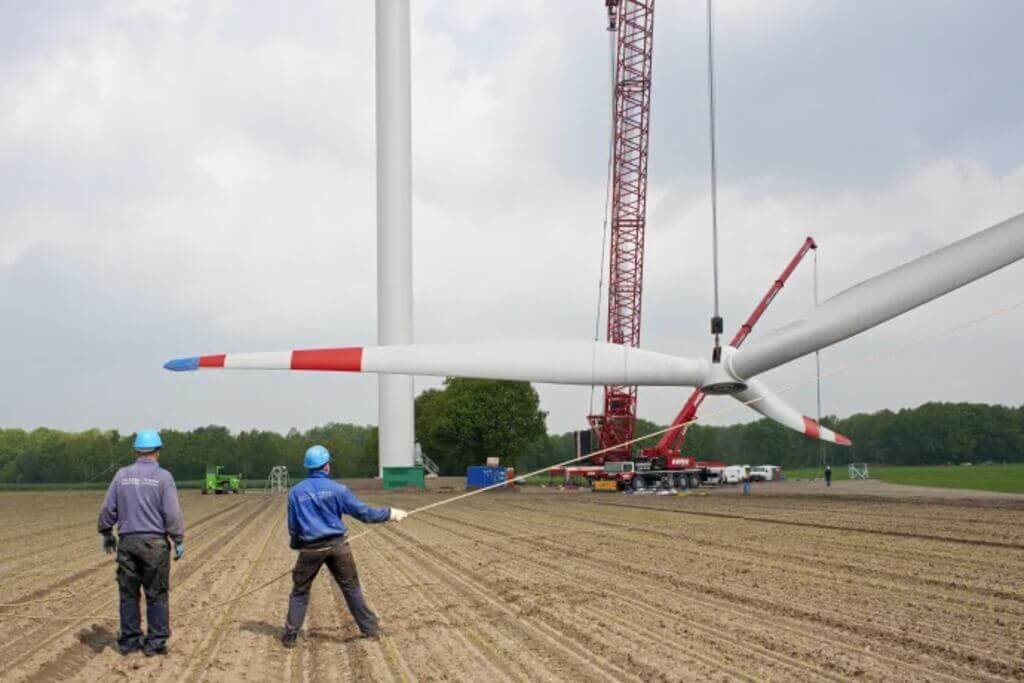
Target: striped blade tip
182 364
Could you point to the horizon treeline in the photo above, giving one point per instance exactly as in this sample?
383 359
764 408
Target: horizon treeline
930 434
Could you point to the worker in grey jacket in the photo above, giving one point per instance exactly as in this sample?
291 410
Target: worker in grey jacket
142 501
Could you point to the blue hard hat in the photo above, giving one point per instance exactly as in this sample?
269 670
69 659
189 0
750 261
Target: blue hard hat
148 440
316 457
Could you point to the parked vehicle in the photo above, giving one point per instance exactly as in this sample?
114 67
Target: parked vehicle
734 474
765 473
641 474
217 481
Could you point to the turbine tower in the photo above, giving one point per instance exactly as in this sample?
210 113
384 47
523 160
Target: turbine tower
394 226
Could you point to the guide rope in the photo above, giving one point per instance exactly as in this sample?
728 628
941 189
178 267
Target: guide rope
866 360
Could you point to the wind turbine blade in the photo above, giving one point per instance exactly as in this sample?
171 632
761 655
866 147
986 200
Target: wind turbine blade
772 406
885 296
557 362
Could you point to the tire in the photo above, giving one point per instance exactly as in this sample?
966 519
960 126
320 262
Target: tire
694 481
681 482
637 483
204 490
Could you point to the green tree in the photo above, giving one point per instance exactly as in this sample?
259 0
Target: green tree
472 419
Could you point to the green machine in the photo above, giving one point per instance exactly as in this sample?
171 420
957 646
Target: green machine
218 482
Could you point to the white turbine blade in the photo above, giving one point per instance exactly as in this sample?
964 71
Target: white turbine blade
885 296
555 362
762 400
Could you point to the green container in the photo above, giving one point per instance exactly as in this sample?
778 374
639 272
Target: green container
400 477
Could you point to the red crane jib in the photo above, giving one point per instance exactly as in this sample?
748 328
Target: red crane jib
667 452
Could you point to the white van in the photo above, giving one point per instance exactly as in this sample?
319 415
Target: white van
765 473
733 474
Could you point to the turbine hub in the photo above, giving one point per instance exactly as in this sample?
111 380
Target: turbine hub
719 380
724 388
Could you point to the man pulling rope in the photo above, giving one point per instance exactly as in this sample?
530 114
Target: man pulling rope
315 508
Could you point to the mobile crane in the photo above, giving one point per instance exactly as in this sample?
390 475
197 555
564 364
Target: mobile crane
664 466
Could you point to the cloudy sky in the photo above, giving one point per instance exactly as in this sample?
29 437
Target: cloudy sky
181 178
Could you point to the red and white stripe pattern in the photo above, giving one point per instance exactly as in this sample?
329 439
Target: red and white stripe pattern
816 431
758 396
348 359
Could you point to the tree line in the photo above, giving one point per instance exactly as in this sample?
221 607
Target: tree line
49 456
466 421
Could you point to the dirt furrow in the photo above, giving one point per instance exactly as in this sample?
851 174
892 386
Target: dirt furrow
632 602
951 646
688 589
408 593
76 651
541 636
818 525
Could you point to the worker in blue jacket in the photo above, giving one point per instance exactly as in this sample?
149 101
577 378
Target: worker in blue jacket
315 507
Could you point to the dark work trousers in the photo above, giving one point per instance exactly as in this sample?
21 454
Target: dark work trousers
143 562
338 558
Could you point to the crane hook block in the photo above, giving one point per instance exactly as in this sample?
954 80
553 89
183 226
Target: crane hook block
717 325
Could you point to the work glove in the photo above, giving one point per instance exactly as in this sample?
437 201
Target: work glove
109 544
397 515
179 550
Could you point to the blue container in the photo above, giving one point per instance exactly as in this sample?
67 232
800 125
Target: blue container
480 476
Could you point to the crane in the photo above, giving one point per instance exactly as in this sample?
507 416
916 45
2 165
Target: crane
633 20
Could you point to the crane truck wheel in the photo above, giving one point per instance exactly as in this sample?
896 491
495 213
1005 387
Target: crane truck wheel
681 483
694 481
638 483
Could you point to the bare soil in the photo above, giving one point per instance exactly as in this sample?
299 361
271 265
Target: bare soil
794 582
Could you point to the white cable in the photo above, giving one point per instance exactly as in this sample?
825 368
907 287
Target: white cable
714 160
612 66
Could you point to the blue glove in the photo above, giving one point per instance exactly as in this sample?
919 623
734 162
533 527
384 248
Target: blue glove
179 550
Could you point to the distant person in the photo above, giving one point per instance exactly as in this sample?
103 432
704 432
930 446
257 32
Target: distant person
142 501
315 507
828 475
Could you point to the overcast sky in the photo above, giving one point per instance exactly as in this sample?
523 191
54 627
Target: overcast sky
180 178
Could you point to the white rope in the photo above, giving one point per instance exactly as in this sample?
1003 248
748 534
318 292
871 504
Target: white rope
714 159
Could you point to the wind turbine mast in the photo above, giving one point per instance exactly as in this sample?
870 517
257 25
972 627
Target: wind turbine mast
633 20
394 225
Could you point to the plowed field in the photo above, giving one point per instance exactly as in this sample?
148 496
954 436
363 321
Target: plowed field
546 586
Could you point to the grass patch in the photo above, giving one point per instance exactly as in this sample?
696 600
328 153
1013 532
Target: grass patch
1008 478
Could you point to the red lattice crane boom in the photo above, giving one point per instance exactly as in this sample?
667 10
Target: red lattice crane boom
634 22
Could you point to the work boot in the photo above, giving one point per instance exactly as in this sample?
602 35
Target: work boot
290 640
125 650
158 650
377 635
